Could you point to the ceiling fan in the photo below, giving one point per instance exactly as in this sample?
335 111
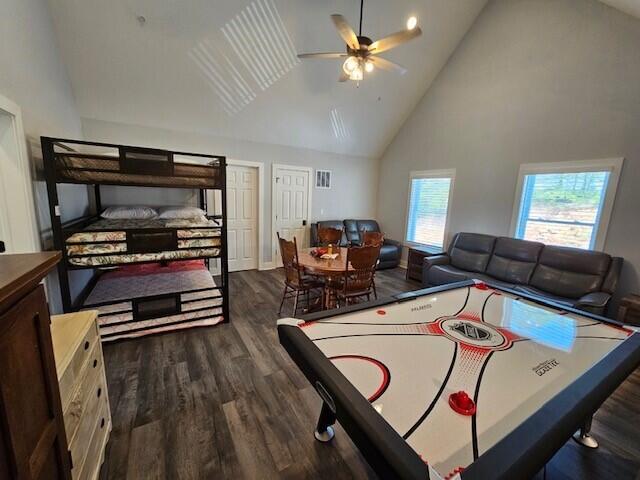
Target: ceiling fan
361 55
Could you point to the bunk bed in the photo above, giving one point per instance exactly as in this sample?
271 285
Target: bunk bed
150 275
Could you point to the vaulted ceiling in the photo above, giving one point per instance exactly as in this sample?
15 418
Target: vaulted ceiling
228 67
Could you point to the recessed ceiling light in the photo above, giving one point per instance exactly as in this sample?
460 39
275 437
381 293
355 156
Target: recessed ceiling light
411 23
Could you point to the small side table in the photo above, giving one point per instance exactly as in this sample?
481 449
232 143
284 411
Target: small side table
629 310
415 261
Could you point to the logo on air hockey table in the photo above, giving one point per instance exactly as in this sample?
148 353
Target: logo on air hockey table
475 333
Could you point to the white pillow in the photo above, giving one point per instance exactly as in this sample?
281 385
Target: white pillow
138 212
180 212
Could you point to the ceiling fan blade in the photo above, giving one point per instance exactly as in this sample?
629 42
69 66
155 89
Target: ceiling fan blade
343 77
345 31
323 55
385 64
393 40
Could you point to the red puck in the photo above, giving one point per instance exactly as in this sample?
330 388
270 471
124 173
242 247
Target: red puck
481 286
461 403
381 312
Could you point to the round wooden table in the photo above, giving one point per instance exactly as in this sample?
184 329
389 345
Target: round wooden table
324 267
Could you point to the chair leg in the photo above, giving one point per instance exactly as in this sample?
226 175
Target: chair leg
308 302
284 295
375 293
295 303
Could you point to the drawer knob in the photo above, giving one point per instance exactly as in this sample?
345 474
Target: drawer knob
99 392
86 345
95 363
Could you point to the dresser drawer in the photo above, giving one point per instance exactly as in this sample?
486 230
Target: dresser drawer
84 399
80 445
96 445
80 359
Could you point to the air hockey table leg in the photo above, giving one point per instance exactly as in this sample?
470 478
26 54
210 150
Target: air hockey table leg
583 436
324 431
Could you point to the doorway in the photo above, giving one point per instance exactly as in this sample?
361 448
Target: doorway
242 217
18 232
291 205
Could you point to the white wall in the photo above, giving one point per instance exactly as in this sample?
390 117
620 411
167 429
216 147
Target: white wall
533 81
355 179
32 75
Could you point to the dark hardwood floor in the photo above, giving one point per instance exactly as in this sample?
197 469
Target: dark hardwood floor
227 402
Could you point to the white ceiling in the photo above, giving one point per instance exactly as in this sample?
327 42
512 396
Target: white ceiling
183 68
631 7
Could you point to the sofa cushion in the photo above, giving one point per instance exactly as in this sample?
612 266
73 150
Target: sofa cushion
570 272
527 290
471 251
351 231
514 260
353 228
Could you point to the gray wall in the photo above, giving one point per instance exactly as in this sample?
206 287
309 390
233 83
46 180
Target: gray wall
532 81
355 179
33 76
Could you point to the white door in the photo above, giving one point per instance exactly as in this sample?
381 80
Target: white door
242 217
17 224
291 206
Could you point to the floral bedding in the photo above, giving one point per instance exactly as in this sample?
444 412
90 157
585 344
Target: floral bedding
119 259
95 248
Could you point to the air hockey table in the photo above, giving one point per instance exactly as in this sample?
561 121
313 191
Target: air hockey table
466 381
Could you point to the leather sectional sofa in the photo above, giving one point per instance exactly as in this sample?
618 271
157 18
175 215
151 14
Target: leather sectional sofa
573 277
389 253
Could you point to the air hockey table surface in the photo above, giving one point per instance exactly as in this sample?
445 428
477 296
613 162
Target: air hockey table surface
462 381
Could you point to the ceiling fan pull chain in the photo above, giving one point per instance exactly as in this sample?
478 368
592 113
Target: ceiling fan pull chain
361 8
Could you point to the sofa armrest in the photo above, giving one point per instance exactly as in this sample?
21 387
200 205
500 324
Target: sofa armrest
594 302
395 243
428 262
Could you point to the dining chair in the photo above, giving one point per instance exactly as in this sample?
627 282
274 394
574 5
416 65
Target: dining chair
358 282
328 236
296 282
371 238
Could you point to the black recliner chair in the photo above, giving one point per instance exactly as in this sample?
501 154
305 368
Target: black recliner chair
351 229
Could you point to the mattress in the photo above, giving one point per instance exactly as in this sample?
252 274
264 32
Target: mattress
109 242
138 301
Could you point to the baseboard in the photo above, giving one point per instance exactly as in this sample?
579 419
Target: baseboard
403 264
267 266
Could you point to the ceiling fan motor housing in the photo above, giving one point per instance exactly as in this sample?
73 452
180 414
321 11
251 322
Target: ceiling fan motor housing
364 46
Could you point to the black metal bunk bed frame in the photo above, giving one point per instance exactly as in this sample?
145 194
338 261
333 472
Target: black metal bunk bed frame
130 168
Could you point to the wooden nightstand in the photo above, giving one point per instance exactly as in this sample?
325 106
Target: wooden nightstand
629 310
415 260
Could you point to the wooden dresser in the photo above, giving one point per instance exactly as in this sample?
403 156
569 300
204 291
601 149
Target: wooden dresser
83 389
33 443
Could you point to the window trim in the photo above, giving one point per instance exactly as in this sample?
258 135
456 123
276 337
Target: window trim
439 173
612 165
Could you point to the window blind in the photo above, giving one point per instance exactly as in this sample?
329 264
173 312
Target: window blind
428 206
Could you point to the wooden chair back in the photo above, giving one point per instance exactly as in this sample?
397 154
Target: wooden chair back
289 253
328 236
363 260
372 238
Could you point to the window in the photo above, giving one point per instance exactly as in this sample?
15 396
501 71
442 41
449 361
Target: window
429 199
566 203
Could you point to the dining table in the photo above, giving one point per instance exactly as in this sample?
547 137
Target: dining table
325 267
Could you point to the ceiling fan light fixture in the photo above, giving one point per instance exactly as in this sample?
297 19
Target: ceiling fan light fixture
368 66
357 74
412 22
350 64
